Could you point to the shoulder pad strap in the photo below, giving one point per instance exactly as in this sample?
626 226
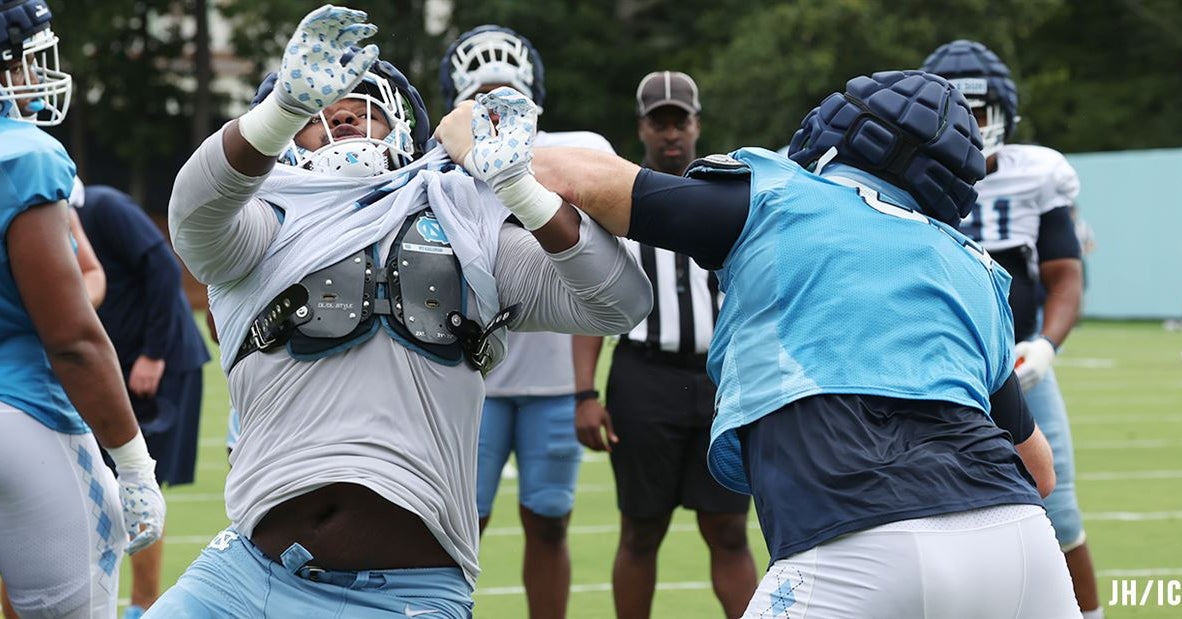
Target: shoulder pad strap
717 166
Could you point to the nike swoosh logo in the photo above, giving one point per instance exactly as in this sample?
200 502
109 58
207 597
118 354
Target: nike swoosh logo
417 613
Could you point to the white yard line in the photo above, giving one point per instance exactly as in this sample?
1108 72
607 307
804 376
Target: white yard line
1091 363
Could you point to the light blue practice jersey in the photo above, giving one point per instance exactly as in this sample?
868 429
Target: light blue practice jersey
34 169
836 288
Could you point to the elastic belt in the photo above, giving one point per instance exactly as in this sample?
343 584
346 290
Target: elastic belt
652 352
296 560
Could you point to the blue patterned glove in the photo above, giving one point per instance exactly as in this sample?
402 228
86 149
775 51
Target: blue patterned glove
143 504
501 154
321 63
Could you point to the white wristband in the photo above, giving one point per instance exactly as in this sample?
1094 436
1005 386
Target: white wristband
133 456
269 128
532 203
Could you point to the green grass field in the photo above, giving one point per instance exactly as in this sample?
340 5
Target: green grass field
1123 386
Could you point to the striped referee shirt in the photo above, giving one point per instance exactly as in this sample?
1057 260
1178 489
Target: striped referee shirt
685 302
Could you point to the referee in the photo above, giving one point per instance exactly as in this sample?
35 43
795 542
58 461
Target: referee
661 400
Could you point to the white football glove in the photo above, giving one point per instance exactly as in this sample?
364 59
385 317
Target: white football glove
143 503
1034 358
501 154
321 63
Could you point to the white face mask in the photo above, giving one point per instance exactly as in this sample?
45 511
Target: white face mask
993 131
33 89
355 157
491 57
366 155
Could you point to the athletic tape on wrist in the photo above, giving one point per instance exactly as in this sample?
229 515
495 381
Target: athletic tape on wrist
532 203
133 456
269 128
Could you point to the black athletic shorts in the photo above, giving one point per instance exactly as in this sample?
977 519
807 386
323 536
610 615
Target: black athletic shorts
662 413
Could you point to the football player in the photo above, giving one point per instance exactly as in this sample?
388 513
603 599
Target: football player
65 521
360 291
871 440
1022 217
529 404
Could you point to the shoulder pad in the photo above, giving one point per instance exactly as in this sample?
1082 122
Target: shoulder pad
717 166
1066 180
37 167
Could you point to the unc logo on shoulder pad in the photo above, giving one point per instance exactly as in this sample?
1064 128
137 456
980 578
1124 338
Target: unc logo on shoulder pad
223 540
716 166
429 228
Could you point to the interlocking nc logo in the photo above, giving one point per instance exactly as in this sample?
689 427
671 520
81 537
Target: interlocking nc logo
223 540
430 230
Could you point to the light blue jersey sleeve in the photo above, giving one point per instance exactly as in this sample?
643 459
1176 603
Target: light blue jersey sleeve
34 169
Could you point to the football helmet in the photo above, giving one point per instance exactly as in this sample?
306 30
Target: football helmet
491 55
985 81
33 88
909 128
385 89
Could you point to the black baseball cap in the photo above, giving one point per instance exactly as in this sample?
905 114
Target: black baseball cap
661 88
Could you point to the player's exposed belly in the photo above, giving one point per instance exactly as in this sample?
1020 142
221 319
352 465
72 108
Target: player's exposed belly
349 527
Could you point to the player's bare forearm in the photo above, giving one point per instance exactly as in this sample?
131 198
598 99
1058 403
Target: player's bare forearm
1063 280
50 283
561 232
585 351
597 183
1035 453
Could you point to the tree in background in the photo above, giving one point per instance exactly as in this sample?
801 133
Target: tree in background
1103 76
259 27
781 61
1091 75
132 65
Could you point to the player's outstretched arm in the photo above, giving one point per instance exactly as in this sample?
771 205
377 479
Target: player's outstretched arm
492 138
321 64
51 287
600 184
217 229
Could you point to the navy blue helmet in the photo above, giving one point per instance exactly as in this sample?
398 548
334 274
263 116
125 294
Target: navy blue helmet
491 55
384 87
909 128
32 86
985 81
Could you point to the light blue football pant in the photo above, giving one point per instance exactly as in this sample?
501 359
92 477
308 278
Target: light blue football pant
541 430
233 578
1049 411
